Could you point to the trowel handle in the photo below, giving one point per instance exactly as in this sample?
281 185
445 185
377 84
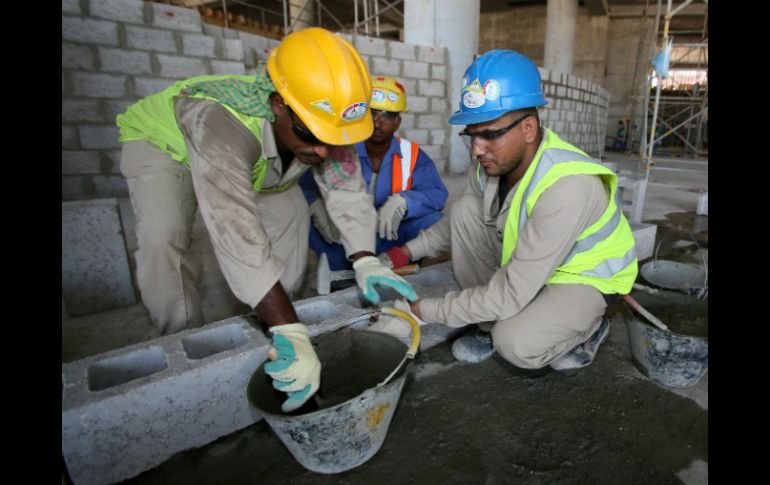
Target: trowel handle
407 269
415 343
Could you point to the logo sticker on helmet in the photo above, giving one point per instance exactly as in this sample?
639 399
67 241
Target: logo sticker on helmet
378 95
474 95
491 90
392 97
354 111
324 105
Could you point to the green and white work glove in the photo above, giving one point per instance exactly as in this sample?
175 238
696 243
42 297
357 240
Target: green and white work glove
370 271
323 222
294 365
390 214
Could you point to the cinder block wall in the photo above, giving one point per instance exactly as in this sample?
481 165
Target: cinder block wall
115 52
576 110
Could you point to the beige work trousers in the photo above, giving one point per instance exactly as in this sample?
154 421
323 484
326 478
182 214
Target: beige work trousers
553 323
164 203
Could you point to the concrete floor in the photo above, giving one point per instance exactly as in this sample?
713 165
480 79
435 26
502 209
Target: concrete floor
488 423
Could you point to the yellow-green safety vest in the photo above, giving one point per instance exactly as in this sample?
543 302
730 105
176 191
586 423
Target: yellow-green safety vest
153 119
603 255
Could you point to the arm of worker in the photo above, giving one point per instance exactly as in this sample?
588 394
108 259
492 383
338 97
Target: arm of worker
563 212
428 193
352 209
221 152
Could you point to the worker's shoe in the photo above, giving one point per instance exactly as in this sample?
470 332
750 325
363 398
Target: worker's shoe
583 354
473 347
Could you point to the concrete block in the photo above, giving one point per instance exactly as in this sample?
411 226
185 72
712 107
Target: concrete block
150 39
74 56
146 86
124 61
90 31
417 70
416 135
73 110
431 121
232 49
131 11
434 152
417 104
561 91
545 74
387 67
114 107
430 88
107 186
410 86
128 410
370 46
75 162
633 204
96 85
99 136
176 18
227 67
71 6
197 45
69 137
95 272
437 137
407 121
176 67
438 71
703 204
434 55
438 105
644 235
400 50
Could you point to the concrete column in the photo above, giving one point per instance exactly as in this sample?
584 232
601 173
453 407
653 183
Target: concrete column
427 22
560 25
306 19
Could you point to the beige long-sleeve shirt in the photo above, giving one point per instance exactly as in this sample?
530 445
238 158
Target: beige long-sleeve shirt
562 212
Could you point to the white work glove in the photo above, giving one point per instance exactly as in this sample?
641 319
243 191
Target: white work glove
390 215
323 223
394 326
403 305
294 365
370 271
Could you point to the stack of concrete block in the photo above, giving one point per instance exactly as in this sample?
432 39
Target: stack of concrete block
128 410
115 52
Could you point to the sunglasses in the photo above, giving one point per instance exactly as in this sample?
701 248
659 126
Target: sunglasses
387 116
489 136
303 134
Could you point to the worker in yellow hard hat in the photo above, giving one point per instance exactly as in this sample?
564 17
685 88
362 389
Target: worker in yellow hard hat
234 146
407 189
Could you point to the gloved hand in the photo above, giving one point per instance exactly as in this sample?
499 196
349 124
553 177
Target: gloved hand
370 271
390 214
323 222
395 326
295 367
403 305
394 257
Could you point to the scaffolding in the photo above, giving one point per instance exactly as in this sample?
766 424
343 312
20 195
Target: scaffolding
679 115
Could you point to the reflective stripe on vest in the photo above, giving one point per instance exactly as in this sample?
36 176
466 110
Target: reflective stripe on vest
547 159
404 166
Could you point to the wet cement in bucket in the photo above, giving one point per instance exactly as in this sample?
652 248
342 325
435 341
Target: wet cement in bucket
677 357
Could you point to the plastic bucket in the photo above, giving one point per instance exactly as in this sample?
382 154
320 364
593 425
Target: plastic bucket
672 275
675 358
346 423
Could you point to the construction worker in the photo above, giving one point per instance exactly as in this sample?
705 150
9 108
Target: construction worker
234 146
407 189
539 245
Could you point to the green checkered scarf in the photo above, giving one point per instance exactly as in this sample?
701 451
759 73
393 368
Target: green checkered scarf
248 98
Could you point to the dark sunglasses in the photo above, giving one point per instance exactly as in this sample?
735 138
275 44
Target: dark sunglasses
304 135
490 135
388 116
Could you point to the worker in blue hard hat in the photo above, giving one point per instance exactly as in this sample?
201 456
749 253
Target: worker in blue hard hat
539 245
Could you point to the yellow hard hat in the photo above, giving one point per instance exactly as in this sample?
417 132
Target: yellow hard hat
326 83
388 94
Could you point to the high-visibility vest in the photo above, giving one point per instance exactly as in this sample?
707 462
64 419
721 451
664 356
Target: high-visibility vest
403 166
603 255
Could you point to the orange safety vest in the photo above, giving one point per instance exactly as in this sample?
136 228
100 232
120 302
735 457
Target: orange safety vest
403 167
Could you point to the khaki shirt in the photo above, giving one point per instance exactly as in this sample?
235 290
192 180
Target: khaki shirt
561 213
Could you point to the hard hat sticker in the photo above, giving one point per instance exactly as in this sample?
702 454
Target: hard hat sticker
392 97
491 90
354 111
324 105
378 95
474 95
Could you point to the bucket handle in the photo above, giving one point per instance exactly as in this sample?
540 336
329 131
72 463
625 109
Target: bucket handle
413 345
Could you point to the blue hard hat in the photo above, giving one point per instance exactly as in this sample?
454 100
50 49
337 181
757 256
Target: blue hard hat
495 83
